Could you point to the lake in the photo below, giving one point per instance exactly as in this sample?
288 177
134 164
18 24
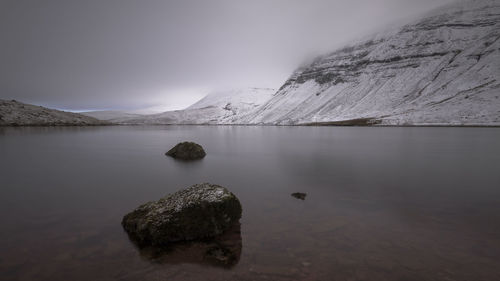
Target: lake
382 203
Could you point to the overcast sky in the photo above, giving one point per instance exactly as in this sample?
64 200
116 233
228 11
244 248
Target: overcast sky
127 54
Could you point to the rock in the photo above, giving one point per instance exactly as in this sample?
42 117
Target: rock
221 251
187 151
195 213
299 195
226 250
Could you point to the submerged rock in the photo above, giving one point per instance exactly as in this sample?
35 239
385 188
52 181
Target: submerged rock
221 251
187 151
299 195
197 212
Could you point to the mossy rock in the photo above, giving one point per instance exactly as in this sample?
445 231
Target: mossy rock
187 151
198 212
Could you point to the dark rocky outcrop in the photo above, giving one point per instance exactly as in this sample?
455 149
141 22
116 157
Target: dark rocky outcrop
187 151
199 212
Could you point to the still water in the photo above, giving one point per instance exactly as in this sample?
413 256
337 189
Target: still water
382 203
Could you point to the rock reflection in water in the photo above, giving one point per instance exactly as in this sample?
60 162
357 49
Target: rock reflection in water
222 251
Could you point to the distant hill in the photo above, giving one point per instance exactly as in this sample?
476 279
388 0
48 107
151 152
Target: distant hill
221 107
106 115
14 113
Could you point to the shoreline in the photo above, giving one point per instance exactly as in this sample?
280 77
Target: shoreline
325 124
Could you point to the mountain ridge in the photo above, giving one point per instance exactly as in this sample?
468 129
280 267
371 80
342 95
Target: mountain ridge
440 70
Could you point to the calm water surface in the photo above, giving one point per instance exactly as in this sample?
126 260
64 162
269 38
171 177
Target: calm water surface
382 203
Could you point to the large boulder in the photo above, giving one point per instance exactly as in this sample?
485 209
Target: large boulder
187 151
197 212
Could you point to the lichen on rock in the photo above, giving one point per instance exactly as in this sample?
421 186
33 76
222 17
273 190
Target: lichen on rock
198 212
187 151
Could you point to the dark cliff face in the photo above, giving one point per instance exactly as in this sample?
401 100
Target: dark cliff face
443 69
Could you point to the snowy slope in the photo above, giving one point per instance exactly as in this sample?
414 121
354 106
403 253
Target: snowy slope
223 107
14 113
240 99
444 69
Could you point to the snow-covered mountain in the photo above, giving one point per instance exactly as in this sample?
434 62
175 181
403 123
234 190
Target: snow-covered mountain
442 70
222 107
14 113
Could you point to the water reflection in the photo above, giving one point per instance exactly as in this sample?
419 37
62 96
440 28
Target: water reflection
222 251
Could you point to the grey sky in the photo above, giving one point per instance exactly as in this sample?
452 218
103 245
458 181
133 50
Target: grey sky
124 54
